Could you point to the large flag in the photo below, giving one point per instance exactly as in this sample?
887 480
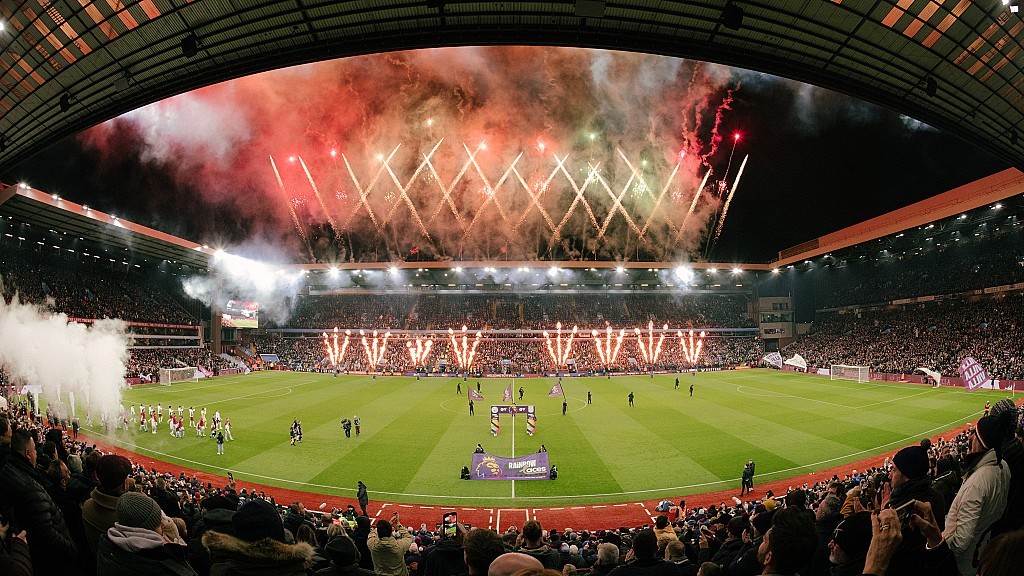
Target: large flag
474 395
507 396
556 391
973 374
933 374
774 358
797 361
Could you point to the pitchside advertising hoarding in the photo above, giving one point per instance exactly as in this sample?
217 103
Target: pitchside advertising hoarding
241 314
529 467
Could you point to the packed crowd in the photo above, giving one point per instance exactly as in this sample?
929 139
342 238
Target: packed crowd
963 262
82 288
509 311
506 355
937 336
145 363
950 507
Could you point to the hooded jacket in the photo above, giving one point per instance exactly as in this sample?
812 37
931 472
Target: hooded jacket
233 556
128 551
32 509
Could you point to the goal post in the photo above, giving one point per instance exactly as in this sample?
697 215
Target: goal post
170 376
846 372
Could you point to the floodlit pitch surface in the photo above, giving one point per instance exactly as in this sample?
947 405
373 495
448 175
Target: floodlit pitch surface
417 434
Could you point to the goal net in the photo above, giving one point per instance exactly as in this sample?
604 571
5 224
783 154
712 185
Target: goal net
169 376
844 372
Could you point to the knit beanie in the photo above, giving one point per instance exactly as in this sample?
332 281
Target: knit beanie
256 520
912 461
342 551
137 510
853 534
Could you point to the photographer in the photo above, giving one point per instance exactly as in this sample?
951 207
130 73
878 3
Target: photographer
910 482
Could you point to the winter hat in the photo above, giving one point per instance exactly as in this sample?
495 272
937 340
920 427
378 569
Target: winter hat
342 551
1004 405
912 461
853 534
136 510
256 520
992 430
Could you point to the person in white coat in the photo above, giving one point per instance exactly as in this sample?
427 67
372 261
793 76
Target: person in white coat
982 498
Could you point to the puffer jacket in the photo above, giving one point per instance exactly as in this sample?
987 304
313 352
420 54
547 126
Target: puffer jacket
236 557
32 509
978 504
127 551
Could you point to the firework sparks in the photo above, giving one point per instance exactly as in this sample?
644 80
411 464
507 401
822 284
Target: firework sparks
291 209
465 354
692 348
649 350
418 353
334 353
605 351
559 355
728 200
375 347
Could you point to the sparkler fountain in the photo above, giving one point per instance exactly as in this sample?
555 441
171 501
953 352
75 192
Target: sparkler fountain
693 348
650 351
560 356
605 352
334 353
375 350
465 355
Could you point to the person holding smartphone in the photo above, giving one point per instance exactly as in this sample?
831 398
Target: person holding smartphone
388 542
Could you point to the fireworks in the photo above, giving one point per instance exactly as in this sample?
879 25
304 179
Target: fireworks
605 352
559 355
649 351
375 351
693 347
335 354
418 353
464 356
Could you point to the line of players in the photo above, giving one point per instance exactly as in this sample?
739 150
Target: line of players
150 420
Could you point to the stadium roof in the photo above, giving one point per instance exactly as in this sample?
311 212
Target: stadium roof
956 65
58 222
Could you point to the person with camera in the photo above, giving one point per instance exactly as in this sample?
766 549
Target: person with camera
909 481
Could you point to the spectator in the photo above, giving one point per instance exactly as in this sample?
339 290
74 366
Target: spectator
306 534
16 561
99 513
848 546
344 557
643 558
675 553
216 514
981 500
514 562
142 541
607 559
5 441
258 545
534 545
387 544
827 518
910 482
664 531
481 547
788 543
32 509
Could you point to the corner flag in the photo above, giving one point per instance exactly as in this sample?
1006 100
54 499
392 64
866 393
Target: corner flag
474 395
507 396
556 391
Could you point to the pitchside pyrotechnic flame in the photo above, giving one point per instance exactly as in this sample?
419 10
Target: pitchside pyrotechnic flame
464 356
418 353
693 348
649 351
375 351
559 355
605 351
334 353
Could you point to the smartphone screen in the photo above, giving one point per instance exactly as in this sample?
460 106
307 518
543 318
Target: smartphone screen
448 524
231 476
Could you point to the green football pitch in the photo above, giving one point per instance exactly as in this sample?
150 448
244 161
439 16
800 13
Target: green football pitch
417 434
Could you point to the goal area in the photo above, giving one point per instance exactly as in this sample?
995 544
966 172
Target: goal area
170 376
845 372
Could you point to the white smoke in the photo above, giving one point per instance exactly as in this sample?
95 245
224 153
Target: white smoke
41 348
234 277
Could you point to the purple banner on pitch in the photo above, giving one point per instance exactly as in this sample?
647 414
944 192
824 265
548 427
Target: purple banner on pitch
973 374
529 467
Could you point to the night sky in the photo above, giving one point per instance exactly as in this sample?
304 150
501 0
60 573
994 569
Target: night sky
198 165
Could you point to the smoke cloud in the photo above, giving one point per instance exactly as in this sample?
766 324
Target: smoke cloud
478 152
41 348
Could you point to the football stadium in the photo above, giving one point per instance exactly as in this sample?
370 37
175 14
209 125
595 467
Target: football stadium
453 288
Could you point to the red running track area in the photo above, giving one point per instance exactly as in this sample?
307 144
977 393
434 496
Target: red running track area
628 513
